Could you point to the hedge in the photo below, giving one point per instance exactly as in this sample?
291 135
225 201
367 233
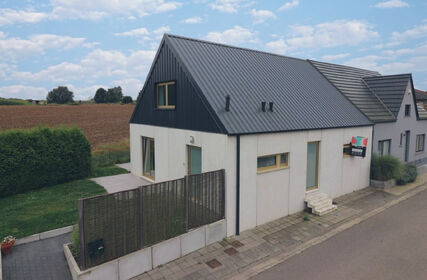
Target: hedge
38 157
409 174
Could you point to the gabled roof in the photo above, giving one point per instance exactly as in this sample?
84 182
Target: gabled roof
350 81
303 99
421 95
389 89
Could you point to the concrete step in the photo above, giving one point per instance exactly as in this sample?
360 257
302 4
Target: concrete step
324 210
319 203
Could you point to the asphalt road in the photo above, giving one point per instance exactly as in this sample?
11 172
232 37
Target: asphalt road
390 245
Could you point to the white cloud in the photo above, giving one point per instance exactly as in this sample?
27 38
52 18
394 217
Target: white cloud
14 48
134 32
391 4
235 35
162 30
226 6
9 16
130 86
289 5
390 65
193 20
417 31
25 92
325 35
259 16
97 9
335 56
278 46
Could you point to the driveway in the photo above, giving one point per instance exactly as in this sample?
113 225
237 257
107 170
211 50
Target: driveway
38 260
390 245
121 182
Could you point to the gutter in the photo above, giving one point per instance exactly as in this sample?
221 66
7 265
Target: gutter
237 184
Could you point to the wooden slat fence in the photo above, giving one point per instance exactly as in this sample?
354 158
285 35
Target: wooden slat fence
131 220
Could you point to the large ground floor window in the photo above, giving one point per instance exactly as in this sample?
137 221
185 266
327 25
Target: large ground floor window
420 143
384 147
148 163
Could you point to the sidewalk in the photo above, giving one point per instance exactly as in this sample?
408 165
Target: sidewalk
255 250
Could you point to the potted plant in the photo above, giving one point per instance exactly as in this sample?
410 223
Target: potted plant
7 243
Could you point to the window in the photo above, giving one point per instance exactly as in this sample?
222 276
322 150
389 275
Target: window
148 164
165 95
407 110
420 143
272 162
194 160
384 147
401 139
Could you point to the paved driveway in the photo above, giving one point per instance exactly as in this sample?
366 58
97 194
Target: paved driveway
390 245
121 182
40 260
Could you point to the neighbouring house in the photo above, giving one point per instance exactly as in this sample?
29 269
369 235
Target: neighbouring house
274 123
388 101
421 97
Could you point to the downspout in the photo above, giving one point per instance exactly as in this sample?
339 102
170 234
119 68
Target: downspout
237 184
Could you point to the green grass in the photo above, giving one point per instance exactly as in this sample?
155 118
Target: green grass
107 171
13 101
44 209
107 155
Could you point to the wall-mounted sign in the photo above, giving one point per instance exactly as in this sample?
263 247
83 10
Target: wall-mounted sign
357 147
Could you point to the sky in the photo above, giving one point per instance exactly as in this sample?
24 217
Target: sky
87 44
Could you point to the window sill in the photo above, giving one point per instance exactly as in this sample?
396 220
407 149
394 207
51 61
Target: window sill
164 109
272 169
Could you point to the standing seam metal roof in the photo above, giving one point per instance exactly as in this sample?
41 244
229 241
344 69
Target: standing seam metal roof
303 98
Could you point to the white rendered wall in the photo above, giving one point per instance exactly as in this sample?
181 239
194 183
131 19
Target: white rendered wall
269 196
170 145
263 197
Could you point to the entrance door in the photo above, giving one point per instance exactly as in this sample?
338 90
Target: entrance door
407 141
148 163
194 160
312 165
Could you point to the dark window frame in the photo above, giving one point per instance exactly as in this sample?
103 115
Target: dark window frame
381 147
407 110
420 144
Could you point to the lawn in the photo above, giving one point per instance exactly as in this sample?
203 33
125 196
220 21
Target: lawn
44 209
107 171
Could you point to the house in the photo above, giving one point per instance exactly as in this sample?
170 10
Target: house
389 102
274 123
421 97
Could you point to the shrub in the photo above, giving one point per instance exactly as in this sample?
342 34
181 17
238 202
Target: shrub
127 100
75 243
60 95
38 157
385 167
409 174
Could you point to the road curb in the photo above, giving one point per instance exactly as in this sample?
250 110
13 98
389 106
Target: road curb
44 235
273 260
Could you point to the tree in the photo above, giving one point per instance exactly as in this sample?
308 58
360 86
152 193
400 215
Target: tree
100 96
60 95
127 99
114 95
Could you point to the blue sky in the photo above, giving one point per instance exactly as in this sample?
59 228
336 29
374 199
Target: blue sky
87 44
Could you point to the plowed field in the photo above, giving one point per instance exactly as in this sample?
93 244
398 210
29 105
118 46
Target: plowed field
101 123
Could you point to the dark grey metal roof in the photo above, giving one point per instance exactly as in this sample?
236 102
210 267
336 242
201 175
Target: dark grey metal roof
390 89
349 81
303 98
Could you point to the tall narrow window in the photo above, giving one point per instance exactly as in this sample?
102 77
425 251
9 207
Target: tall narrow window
165 95
407 110
384 147
420 143
148 163
194 160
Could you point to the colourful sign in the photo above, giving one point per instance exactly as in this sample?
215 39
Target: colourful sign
359 141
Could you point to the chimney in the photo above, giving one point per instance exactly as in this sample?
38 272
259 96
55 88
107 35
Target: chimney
227 103
271 106
263 106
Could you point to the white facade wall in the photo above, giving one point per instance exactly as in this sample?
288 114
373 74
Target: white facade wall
263 197
392 130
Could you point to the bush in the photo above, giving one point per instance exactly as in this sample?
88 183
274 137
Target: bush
75 243
127 100
60 95
409 174
385 168
38 157
100 96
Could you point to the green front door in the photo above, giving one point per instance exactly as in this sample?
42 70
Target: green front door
194 160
